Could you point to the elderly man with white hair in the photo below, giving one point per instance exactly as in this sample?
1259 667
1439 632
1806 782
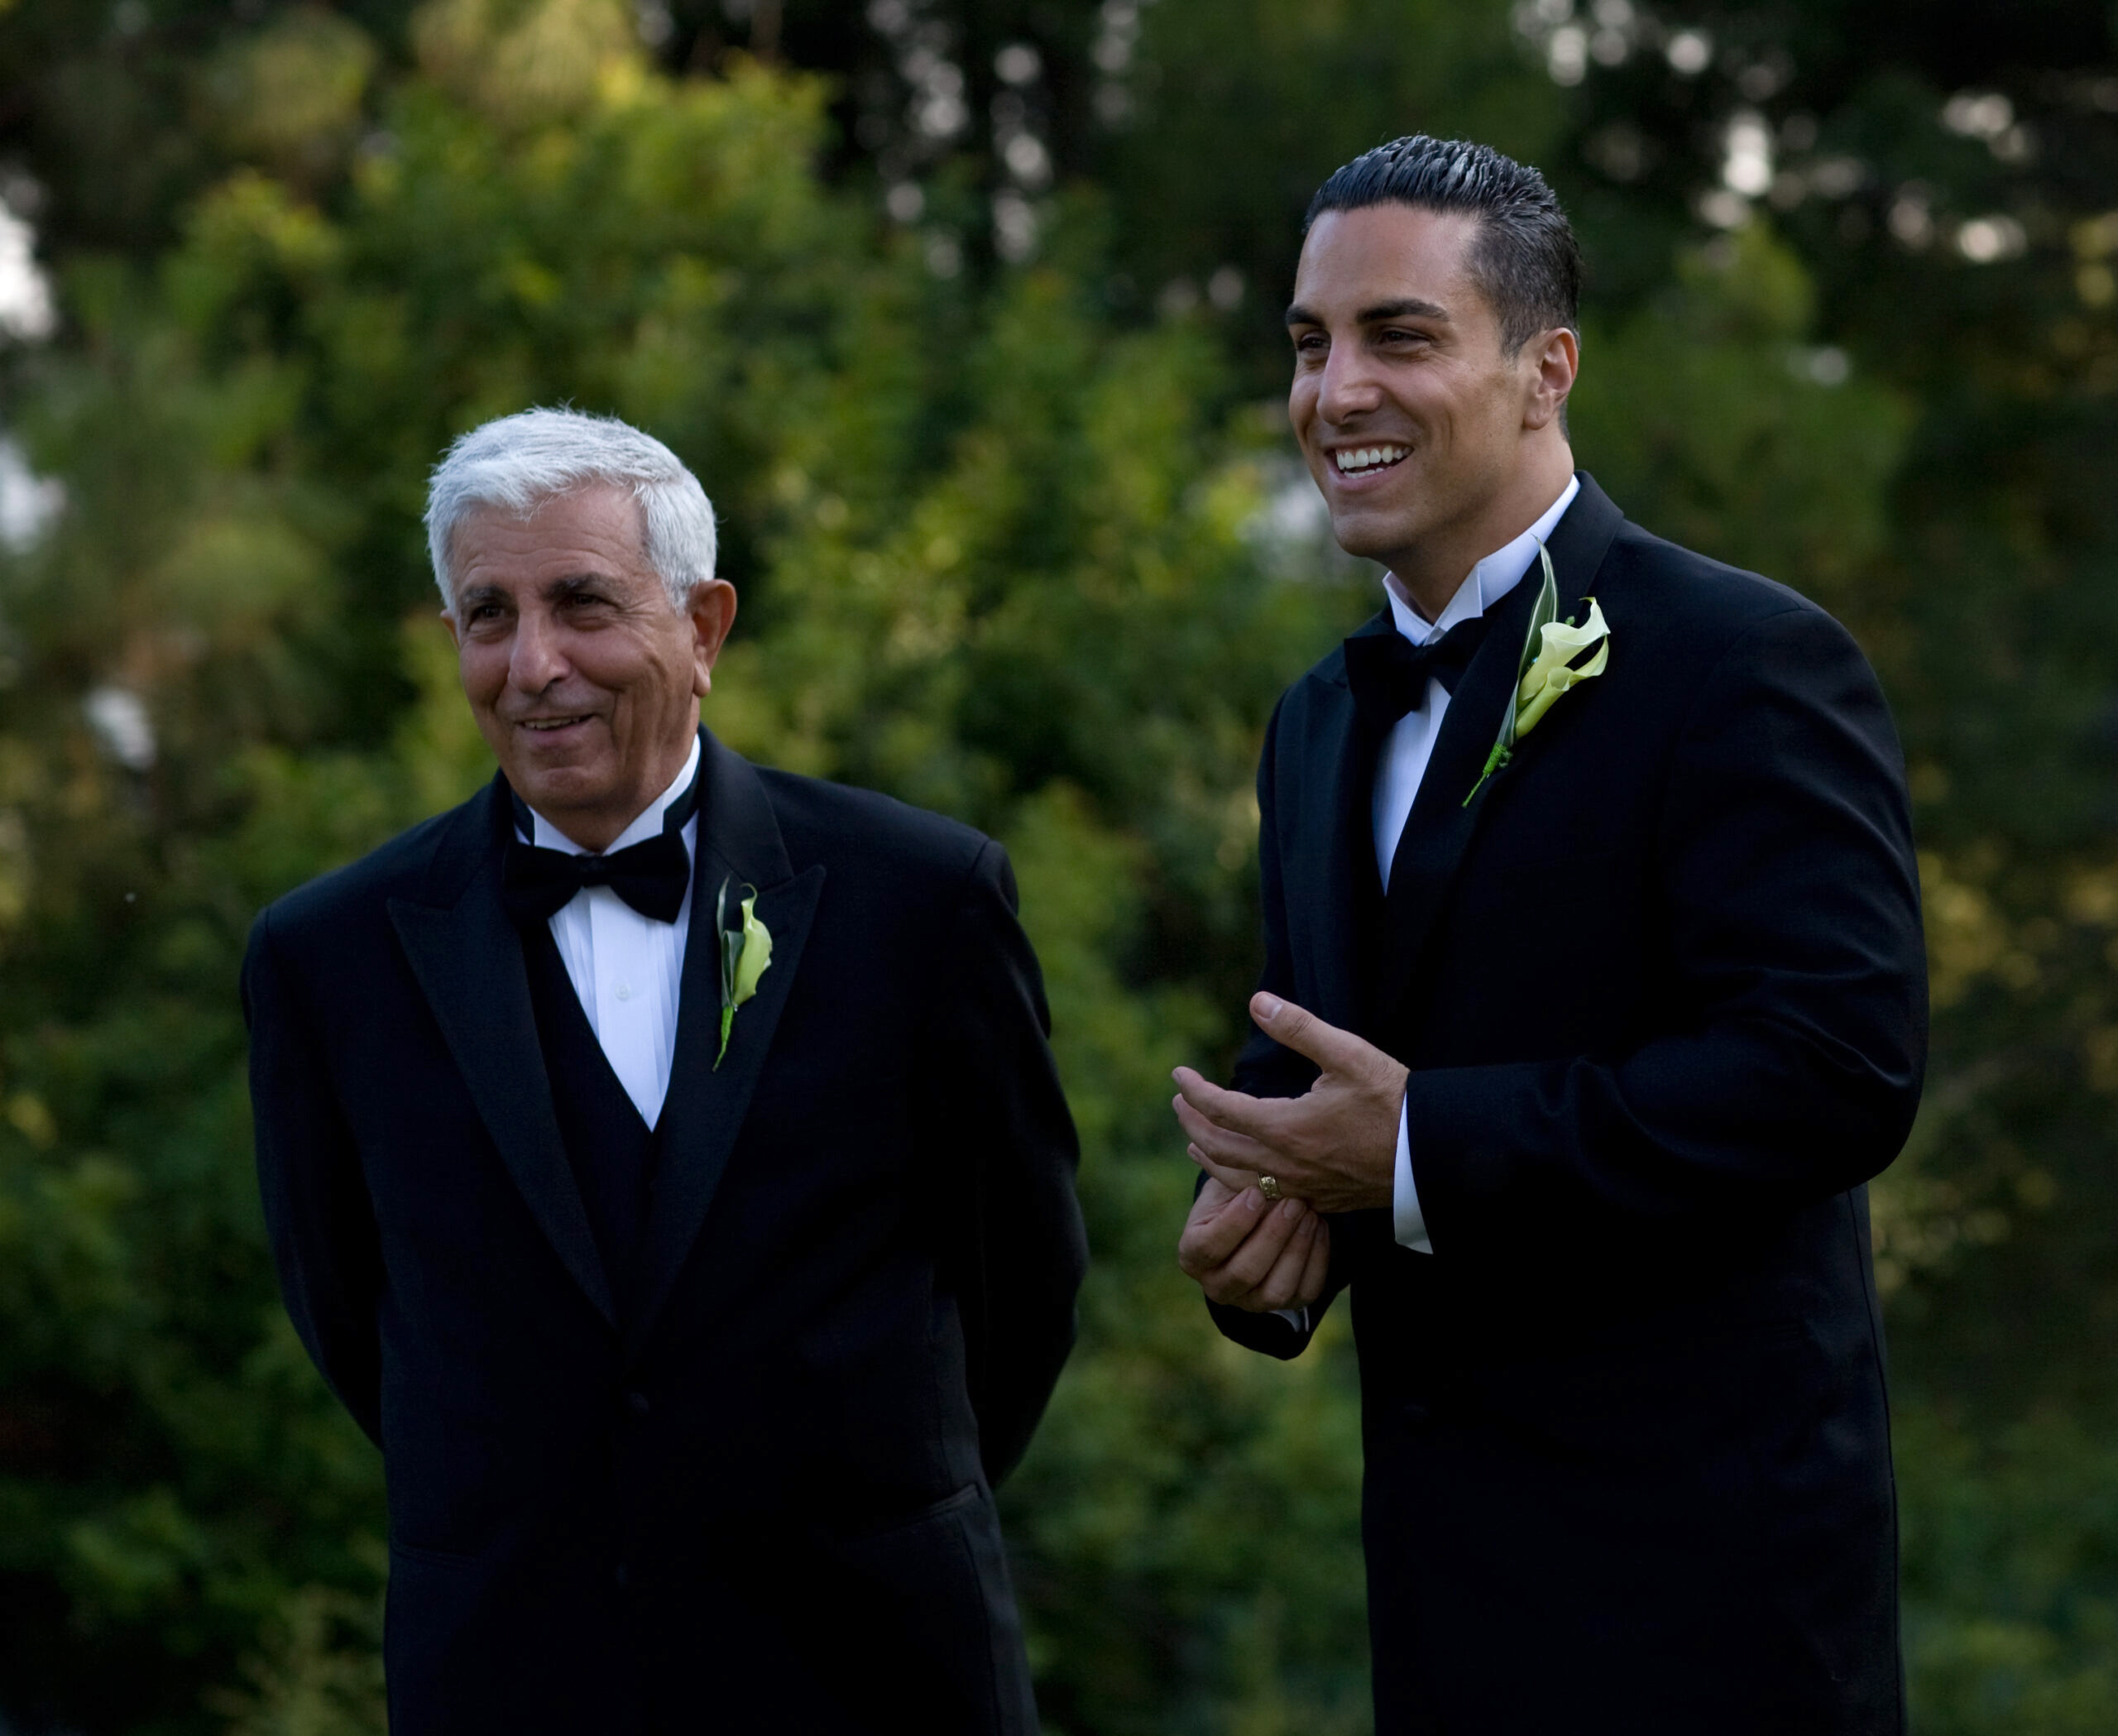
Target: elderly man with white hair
667 1168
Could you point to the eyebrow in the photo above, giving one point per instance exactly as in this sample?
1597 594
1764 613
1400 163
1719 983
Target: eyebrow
572 585
1411 308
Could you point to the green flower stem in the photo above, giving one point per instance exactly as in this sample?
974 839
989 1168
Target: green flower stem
1496 761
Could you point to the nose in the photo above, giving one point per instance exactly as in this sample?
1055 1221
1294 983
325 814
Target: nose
534 660
1349 388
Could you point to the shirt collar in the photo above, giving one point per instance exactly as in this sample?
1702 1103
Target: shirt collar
647 825
1492 579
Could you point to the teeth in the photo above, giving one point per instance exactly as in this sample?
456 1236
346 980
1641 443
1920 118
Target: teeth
1370 458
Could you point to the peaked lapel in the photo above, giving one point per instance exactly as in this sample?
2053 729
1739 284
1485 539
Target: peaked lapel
467 957
739 840
1441 826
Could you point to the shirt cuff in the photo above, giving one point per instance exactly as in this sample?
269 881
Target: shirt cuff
1408 1220
1298 1318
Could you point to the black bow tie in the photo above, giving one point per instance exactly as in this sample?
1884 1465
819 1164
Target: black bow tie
1389 674
651 875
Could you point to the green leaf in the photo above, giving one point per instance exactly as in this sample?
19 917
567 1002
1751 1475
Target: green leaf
1546 611
1542 616
728 950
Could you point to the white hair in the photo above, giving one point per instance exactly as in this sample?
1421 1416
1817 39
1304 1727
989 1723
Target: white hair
521 461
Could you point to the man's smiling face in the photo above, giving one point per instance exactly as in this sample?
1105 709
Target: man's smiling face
1411 415
585 679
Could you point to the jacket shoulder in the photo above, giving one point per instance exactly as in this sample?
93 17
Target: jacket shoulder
1689 592
361 889
835 822
1324 681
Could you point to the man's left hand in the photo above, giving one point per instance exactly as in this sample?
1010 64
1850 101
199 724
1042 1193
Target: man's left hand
1335 1146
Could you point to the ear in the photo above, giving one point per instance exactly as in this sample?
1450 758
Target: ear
1555 358
712 612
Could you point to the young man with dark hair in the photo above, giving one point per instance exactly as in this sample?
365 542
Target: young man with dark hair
1593 992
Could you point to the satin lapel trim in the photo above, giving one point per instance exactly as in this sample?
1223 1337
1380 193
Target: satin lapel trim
1439 829
703 1114
467 958
1320 914
704 1111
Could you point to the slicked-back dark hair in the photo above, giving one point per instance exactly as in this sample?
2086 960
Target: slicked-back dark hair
1525 260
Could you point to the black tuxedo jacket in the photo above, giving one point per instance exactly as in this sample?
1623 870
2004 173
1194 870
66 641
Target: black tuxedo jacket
757 1500
1661 987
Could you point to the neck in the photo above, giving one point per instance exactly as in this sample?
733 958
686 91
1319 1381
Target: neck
595 830
1433 571
594 833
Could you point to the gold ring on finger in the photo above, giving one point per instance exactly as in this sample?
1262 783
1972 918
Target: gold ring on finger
1269 1185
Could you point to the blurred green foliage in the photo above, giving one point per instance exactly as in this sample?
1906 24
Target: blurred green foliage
1018 536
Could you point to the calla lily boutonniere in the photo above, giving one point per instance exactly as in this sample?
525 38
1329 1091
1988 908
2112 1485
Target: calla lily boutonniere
1551 668
1553 671
745 953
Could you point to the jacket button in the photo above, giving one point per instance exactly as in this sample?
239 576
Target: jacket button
637 1403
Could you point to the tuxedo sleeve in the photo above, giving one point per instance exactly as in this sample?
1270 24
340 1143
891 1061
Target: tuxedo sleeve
1267 1069
1785 1062
317 1212
1015 1250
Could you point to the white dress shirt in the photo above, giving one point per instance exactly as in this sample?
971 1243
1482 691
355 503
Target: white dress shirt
628 969
1410 745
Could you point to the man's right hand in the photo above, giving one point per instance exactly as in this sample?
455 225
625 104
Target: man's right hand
1248 1254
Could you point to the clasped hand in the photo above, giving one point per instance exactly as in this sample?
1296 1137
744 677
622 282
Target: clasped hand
1332 1149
